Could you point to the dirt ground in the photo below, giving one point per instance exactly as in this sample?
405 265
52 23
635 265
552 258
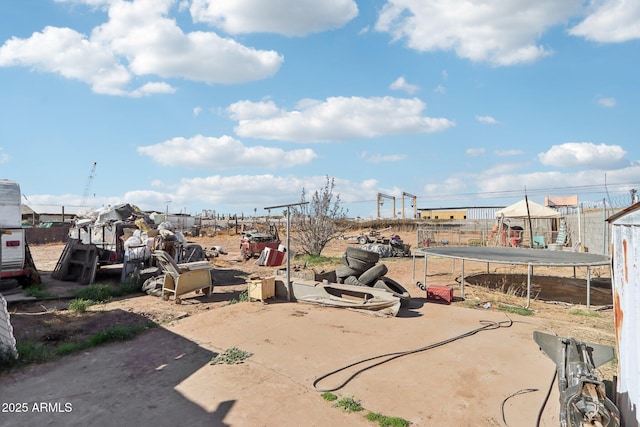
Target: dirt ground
164 376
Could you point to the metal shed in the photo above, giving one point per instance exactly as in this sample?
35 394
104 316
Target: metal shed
625 250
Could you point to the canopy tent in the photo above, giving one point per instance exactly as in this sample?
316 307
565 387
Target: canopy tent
519 210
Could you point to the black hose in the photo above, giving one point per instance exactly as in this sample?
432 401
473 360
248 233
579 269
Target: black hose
487 325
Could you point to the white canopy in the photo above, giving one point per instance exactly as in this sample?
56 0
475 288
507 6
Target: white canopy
519 210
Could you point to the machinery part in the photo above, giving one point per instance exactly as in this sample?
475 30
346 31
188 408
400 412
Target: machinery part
583 398
363 240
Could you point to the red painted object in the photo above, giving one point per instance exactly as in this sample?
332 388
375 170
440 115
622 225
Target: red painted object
440 294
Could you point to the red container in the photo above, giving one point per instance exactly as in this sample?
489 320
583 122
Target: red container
440 294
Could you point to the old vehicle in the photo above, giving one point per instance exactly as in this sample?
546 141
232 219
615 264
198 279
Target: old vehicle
254 242
15 258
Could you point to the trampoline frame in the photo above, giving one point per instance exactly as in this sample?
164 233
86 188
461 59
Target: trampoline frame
512 256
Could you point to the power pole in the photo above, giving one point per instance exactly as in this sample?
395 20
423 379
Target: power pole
380 203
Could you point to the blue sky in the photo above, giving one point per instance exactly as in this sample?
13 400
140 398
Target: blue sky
236 105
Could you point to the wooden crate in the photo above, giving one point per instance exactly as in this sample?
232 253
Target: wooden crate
260 288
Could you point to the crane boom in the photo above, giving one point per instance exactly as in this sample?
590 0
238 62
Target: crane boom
87 187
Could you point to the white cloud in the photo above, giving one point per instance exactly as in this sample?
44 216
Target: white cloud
500 33
607 102
246 192
487 119
138 40
68 53
197 111
440 89
336 119
222 153
504 153
287 17
475 152
4 158
611 21
382 158
448 186
401 84
583 155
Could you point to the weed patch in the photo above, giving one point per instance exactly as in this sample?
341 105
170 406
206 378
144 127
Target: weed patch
231 356
36 291
516 310
348 404
585 313
329 397
80 305
242 297
384 421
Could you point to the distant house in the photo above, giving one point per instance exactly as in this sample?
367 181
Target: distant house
48 214
459 213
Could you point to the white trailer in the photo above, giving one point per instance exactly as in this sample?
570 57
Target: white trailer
15 260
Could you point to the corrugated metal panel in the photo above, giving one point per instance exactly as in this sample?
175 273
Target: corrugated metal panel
10 216
626 297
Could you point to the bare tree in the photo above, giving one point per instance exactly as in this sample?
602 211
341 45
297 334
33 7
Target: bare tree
318 221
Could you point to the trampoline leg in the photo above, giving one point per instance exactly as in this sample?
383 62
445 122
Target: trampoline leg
588 287
528 285
462 280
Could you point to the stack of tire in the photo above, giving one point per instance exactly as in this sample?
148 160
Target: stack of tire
361 268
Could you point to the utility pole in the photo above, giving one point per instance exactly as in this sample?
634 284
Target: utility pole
414 204
380 203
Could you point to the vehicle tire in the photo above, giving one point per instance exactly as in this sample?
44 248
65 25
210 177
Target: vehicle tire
358 265
353 281
362 240
373 274
344 271
395 288
363 255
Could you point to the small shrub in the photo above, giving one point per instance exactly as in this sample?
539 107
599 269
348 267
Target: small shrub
585 313
231 356
96 293
36 291
30 352
242 297
80 305
312 260
329 397
349 404
517 310
116 333
384 421
69 348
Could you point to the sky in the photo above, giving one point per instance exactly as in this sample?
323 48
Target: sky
233 106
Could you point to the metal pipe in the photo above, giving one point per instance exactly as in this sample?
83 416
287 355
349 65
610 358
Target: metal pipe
529 269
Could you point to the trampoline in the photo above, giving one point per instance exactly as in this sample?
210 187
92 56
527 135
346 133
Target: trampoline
513 256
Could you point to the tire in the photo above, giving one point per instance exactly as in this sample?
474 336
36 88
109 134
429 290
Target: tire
362 240
363 255
358 265
373 274
344 271
353 281
395 288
